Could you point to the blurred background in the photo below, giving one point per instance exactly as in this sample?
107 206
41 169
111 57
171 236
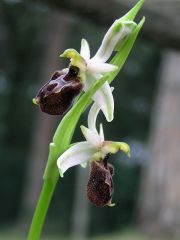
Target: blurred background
147 116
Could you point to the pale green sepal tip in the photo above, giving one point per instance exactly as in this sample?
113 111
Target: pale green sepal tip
61 173
35 101
75 58
133 12
69 53
125 148
111 204
114 147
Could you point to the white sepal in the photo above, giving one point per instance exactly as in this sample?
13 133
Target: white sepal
92 137
92 116
79 153
85 50
101 132
104 99
98 67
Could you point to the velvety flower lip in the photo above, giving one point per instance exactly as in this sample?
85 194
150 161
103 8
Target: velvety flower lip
57 95
93 68
95 148
100 184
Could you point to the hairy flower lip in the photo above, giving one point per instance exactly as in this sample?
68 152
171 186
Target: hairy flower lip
100 185
59 102
57 95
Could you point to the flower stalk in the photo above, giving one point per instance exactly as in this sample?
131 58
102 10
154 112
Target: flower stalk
70 121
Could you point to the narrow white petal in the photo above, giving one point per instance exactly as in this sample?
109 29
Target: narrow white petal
92 137
92 116
79 153
85 51
101 132
104 99
97 67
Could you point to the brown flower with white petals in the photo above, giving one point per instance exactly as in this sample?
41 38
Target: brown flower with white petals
96 151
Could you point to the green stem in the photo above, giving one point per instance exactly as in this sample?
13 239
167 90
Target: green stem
42 207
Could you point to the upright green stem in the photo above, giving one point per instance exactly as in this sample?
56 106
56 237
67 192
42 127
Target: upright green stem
42 207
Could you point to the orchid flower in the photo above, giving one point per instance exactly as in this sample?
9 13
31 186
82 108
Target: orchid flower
91 69
96 151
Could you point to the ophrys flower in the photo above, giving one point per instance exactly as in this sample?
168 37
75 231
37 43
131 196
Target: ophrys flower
91 69
96 151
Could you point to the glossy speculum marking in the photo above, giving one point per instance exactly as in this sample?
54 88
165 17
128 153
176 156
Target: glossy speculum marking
57 95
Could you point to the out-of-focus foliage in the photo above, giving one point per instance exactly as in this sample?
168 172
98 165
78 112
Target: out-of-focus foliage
128 234
20 61
23 31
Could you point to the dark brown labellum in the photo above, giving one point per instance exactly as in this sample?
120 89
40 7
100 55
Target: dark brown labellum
100 184
57 95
